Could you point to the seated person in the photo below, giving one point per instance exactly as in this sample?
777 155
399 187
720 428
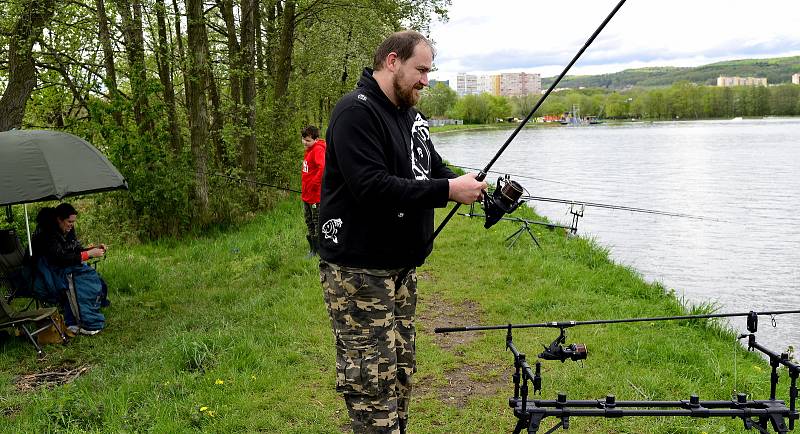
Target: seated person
57 254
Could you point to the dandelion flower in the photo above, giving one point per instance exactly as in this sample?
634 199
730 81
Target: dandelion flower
219 381
203 408
210 413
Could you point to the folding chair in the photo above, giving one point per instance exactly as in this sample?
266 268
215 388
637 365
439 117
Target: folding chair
13 280
12 257
29 321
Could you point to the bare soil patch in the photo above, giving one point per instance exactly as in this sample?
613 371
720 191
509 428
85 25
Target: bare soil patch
50 377
441 313
465 383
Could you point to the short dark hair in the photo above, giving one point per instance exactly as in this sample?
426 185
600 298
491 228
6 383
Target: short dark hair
64 210
310 131
402 43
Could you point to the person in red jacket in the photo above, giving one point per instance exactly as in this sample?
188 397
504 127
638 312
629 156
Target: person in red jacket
313 166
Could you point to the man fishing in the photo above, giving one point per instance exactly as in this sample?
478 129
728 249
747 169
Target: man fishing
382 180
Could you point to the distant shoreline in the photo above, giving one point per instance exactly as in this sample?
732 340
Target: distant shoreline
447 129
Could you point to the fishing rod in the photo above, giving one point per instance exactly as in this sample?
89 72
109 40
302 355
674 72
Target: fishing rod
759 415
568 324
618 207
514 175
507 204
262 184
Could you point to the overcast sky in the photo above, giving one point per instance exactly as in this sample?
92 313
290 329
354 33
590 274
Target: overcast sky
490 36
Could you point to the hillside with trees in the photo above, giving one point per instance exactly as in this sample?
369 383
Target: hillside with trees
682 100
777 71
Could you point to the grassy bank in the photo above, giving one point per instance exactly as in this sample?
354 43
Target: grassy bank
228 333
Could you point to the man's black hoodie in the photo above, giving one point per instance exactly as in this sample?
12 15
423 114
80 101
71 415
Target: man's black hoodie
382 180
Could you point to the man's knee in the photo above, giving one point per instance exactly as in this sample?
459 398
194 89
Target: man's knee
372 415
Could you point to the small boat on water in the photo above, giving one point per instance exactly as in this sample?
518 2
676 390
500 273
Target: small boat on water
573 118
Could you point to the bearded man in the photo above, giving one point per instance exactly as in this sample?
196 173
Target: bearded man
382 180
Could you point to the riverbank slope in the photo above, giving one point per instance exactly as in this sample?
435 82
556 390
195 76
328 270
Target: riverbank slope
229 333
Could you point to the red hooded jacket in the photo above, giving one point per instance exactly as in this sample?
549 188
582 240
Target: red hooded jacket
313 166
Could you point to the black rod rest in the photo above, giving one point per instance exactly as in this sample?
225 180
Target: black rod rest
759 415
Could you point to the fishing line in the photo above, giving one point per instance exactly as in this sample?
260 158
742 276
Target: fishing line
620 207
259 183
482 175
514 175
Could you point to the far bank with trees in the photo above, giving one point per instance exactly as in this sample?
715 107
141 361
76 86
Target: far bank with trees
682 100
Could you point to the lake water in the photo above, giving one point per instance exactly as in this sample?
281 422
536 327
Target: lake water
745 172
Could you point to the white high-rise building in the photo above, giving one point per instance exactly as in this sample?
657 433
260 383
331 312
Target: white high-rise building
505 84
466 84
741 81
796 78
486 83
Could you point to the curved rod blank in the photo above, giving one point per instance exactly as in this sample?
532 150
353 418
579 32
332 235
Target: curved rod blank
482 175
567 324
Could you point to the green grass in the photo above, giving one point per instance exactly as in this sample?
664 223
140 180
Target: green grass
229 333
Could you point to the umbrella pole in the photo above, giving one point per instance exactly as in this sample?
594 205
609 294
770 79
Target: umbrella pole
28 229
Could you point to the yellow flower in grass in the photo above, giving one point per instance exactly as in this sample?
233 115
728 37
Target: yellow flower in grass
203 408
210 413
219 381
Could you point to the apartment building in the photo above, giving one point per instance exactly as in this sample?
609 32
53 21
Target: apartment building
796 78
505 84
466 84
520 84
489 84
741 81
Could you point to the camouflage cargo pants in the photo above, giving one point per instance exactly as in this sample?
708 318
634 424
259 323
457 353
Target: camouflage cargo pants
311 212
372 316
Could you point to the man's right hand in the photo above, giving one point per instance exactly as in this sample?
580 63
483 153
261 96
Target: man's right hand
466 189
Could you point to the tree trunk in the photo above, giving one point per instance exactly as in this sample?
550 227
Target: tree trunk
198 111
217 118
134 45
108 57
21 68
269 56
165 75
181 55
259 49
248 139
226 7
283 68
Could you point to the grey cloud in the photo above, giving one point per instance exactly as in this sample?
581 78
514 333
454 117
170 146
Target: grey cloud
606 52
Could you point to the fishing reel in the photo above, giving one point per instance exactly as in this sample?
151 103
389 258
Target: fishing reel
556 351
504 200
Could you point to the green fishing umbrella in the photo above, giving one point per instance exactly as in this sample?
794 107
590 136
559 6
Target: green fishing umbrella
38 165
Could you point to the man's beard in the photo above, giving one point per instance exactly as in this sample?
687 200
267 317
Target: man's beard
406 97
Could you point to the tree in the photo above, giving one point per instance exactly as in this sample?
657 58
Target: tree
21 70
110 78
165 75
198 111
131 12
248 140
436 101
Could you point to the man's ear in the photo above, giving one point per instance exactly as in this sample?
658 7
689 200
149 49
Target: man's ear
392 62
